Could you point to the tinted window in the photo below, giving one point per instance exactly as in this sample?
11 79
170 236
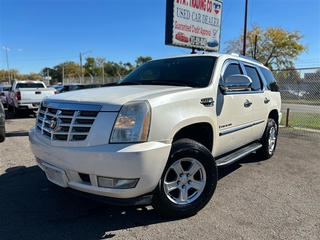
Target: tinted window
271 81
188 71
232 69
4 88
253 74
29 85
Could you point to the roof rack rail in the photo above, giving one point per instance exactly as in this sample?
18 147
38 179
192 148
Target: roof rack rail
246 57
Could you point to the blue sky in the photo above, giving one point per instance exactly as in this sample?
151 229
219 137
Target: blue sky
45 33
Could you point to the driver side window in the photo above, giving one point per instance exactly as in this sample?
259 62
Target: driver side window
231 69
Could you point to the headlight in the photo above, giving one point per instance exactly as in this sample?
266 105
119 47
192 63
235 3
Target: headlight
132 124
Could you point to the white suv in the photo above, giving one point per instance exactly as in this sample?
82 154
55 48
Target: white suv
159 135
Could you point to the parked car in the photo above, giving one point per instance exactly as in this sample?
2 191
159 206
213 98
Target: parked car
182 37
213 43
158 136
2 123
4 89
73 87
27 95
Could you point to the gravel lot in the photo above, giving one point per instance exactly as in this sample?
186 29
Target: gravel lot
273 199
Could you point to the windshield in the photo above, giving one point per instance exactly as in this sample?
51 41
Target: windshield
184 71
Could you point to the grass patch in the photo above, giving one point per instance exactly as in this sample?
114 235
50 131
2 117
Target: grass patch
303 120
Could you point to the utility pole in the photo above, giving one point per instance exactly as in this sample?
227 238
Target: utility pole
81 67
82 76
6 48
245 29
103 72
62 74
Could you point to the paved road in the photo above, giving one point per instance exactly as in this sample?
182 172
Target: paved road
273 199
300 108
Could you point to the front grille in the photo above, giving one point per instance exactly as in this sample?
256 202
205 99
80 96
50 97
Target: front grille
66 122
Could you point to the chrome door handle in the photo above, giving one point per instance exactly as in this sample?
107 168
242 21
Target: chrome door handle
207 102
247 103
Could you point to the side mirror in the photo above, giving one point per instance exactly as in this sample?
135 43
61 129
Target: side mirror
236 82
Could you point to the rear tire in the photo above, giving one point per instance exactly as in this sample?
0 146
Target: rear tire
16 111
2 134
188 180
9 108
269 140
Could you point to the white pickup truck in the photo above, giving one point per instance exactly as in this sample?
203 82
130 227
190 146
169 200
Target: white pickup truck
158 136
27 95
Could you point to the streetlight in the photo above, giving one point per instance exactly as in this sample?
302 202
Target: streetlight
81 54
7 49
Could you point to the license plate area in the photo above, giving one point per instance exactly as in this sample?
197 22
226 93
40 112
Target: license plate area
55 175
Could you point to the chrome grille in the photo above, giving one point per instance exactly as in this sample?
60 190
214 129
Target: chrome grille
66 122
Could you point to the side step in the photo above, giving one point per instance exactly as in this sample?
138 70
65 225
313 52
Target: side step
235 156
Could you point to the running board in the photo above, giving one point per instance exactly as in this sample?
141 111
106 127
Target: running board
235 156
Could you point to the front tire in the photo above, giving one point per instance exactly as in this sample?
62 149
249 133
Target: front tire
188 180
269 140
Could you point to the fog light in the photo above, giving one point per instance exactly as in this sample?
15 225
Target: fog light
117 182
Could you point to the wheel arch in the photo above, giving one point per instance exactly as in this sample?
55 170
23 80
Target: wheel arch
275 116
201 132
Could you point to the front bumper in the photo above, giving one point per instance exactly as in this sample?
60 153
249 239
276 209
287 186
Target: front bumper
144 161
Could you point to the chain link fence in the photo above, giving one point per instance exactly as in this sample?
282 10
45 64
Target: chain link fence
91 80
300 94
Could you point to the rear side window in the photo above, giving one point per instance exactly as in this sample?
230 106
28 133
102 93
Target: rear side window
256 81
271 81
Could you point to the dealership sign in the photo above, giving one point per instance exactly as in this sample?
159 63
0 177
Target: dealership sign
194 24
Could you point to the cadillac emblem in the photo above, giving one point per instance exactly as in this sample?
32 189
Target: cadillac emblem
54 123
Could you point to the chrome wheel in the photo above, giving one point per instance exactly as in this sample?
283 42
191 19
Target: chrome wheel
269 140
272 140
188 181
184 181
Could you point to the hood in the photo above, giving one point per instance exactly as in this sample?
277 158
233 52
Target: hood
113 97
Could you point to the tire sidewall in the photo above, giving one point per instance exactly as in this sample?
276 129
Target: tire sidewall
190 149
264 151
2 134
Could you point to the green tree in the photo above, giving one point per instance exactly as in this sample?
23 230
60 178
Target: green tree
141 60
287 76
90 67
48 72
274 46
100 63
30 76
68 69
